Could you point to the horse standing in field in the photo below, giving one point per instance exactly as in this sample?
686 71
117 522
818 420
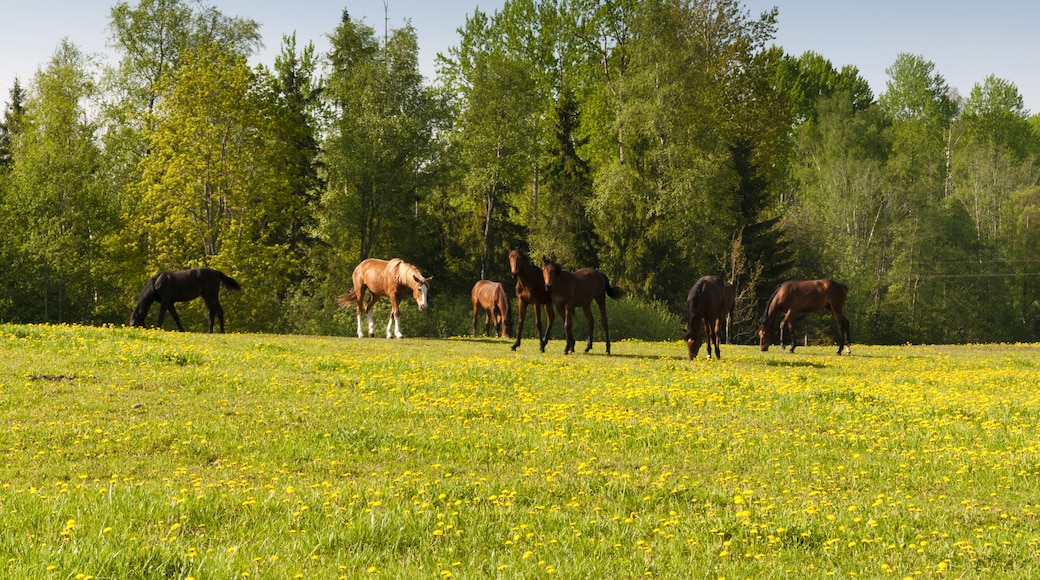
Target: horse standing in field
491 297
570 290
706 303
391 278
796 296
530 289
166 288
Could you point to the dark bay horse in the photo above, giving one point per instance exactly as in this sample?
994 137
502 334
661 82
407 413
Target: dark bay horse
391 278
570 290
708 304
794 297
491 298
530 289
166 288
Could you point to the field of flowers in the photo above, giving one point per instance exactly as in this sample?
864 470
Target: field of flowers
145 454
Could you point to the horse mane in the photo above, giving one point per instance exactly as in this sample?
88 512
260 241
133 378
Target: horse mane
403 272
770 313
147 295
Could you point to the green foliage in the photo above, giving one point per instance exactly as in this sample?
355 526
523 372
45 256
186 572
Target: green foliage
656 141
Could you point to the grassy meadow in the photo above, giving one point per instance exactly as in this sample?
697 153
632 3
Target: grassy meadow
149 454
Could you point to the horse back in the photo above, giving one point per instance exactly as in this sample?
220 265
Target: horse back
707 298
584 285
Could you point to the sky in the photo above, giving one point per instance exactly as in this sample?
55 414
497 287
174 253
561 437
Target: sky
966 41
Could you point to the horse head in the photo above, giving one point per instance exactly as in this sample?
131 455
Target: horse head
765 338
421 290
693 340
516 261
550 272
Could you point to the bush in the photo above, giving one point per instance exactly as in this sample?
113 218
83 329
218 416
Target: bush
450 316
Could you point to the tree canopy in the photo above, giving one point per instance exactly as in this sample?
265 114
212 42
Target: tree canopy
658 141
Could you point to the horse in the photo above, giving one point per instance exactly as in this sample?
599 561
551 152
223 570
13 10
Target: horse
491 297
182 286
708 303
570 290
794 297
530 289
389 278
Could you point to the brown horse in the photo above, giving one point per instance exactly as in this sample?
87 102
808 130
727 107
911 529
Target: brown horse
390 278
706 303
570 290
491 297
796 296
530 289
182 286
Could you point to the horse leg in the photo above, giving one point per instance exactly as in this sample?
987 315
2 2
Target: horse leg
177 319
788 323
549 319
475 308
715 338
395 318
588 323
368 312
568 321
844 342
603 322
522 307
361 308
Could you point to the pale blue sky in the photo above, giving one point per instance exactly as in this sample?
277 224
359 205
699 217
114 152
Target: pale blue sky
966 42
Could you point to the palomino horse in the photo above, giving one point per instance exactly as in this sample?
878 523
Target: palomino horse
796 296
182 286
390 278
530 289
706 303
570 290
491 297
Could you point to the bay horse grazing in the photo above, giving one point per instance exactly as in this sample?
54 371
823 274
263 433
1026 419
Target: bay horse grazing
530 289
391 278
570 290
491 297
167 288
794 297
706 304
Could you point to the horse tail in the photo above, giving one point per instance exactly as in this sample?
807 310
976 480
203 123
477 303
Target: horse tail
347 299
613 291
229 283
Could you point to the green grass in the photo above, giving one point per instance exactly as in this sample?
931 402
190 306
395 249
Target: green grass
145 454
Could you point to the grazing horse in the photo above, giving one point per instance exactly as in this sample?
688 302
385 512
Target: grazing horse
530 289
706 303
796 296
570 290
390 278
182 286
491 297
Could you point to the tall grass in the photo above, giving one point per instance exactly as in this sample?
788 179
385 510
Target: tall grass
143 454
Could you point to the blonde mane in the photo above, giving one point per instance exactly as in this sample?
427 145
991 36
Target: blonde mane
403 273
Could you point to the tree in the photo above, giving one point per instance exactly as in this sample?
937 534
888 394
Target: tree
381 147
55 198
9 125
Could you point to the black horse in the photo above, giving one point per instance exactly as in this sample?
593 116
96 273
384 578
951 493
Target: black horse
166 288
